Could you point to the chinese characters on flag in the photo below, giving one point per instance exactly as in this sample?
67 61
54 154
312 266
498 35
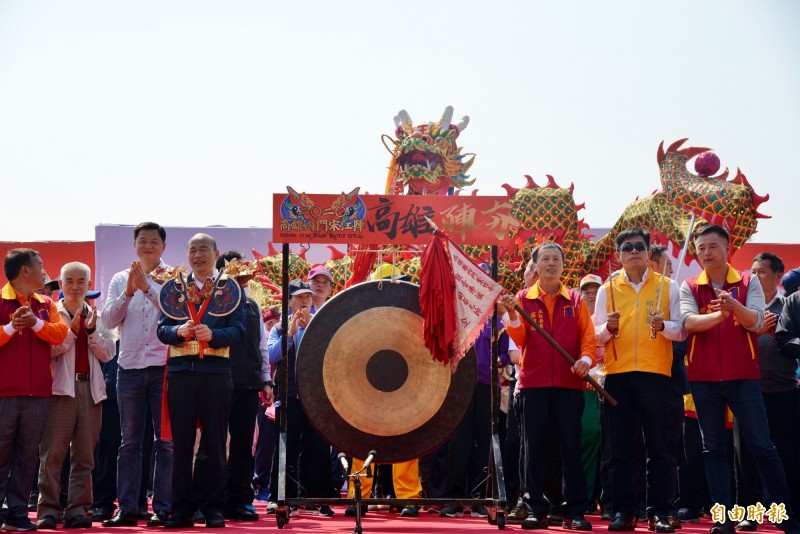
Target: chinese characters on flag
475 294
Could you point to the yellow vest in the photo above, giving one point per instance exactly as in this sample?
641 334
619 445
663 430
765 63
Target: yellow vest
635 350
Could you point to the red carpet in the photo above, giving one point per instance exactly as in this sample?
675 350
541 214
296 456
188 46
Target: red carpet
382 522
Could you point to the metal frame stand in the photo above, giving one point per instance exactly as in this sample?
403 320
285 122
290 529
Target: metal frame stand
496 505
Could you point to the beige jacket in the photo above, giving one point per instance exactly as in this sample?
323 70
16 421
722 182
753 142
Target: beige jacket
102 345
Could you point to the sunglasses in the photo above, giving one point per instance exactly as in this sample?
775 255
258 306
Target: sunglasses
628 247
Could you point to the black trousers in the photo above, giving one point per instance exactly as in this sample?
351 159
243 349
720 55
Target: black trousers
468 449
265 446
239 468
783 417
692 485
434 466
562 408
511 456
241 426
308 468
645 395
104 476
606 502
202 398
674 442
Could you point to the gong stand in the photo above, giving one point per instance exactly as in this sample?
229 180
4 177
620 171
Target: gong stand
282 511
494 483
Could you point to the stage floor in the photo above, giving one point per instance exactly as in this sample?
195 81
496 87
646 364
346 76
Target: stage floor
382 522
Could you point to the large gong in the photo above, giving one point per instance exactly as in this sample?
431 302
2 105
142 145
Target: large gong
367 382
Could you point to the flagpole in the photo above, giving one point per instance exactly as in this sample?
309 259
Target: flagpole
611 400
685 248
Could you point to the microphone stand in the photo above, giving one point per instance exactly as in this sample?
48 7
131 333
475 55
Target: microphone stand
365 471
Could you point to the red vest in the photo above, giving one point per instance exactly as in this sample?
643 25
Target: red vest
727 351
25 359
541 365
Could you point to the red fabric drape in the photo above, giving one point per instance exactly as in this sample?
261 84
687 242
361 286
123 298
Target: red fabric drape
166 426
437 299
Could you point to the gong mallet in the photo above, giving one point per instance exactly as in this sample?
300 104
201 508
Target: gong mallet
615 333
522 313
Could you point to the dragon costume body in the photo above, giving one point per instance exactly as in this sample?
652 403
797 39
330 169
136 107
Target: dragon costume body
426 160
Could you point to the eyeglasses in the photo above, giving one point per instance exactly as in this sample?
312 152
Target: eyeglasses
628 247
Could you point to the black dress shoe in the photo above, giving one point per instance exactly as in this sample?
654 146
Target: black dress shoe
659 523
46 522
747 526
533 522
690 515
78 521
723 528
122 519
241 513
577 522
214 519
157 519
179 521
622 523
101 514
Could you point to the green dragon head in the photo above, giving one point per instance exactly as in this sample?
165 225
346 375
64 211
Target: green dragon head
425 157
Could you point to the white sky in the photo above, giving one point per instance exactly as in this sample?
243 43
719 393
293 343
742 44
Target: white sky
194 113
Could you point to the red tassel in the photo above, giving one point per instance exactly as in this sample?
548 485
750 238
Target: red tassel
437 299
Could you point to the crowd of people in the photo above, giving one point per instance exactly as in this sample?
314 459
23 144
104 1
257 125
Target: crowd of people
128 414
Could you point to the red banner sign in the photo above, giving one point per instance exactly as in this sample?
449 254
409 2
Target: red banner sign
385 219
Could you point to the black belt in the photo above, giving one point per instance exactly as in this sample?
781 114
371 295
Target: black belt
81 377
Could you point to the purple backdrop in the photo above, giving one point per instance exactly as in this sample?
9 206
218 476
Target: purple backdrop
114 248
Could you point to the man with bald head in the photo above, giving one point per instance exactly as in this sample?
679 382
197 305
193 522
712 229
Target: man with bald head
199 390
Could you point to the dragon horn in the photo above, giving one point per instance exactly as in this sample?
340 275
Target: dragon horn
677 144
405 117
660 153
510 191
272 287
444 123
336 254
460 125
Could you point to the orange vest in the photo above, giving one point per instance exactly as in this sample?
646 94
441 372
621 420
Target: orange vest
26 357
